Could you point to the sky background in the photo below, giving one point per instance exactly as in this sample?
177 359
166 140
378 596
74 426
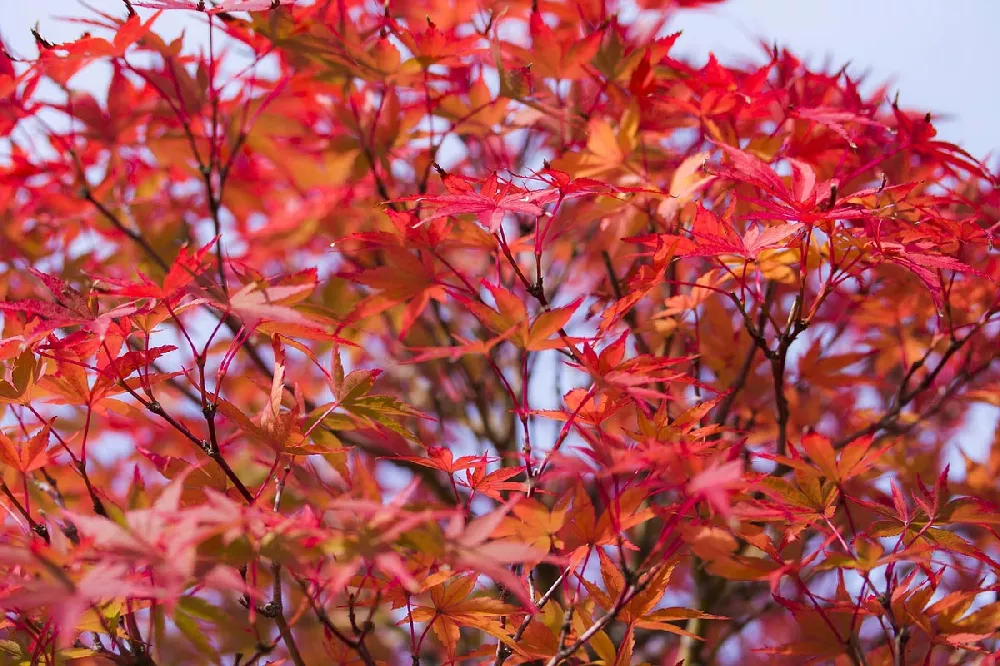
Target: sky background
940 56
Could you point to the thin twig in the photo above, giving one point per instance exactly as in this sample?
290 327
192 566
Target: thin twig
504 651
355 644
36 527
629 593
279 619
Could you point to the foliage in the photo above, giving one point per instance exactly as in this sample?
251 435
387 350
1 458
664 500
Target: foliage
486 332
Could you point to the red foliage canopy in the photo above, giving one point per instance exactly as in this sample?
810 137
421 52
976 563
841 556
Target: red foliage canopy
486 332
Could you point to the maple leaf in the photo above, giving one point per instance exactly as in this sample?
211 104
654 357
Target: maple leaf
837 120
434 46
268 308
164 537
471 546
918 132
452 608
276 429
255 304
62 61
406 278
28 458
510 321
645 279
639 611
564 54
716 483
70 308
494 199
614 372
923 265
492 483
352 393
476 477
185 269
118 370
572 188
688 180
806 200
608 147
534 524
714 237
70 598
441 458
374 530
25 374
853 460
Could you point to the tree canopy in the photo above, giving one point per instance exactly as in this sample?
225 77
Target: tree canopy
487 332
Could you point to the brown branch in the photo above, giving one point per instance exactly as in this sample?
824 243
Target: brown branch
51 488
630 317
747 366
356 644
900 639
36 527
277 604
95 499
504 651
717 587
214 207
629 593
905 397
286 632
139 648
133 235
205 446
778 365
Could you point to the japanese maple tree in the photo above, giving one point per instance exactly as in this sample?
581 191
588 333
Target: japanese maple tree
486 332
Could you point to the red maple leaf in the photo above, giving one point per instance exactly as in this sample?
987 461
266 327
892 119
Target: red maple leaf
70 309
489 204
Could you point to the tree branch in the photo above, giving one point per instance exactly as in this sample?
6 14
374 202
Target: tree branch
629 593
